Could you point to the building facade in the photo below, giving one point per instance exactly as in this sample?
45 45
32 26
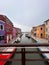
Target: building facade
2 32
46 28
16 32
8 27
33 31
39 31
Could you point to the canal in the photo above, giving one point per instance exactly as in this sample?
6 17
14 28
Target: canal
28 56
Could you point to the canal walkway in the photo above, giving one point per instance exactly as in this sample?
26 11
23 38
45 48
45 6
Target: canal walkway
28 56
39 40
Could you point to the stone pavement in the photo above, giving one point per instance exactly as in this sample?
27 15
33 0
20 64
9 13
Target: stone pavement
39 40
12 41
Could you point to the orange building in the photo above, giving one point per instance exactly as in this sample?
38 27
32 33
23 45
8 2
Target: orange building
39 31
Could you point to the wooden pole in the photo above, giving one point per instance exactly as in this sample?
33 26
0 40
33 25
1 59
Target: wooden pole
23 56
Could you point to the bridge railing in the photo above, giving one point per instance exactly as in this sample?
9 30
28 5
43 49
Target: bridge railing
23 52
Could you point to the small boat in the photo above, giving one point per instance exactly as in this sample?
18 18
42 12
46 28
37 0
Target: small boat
7 55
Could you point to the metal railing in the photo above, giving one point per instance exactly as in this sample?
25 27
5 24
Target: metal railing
23 52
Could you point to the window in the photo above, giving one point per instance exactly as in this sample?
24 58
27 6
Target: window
41 28
34 34
41 35
1 38
1 27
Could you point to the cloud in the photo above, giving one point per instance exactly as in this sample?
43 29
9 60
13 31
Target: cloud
22 27
25 13
5 3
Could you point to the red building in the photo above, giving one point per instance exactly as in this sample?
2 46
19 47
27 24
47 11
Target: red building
16 32
8 28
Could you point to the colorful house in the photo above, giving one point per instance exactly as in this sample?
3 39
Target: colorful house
14 32
39 31
2 32
46 28
8 28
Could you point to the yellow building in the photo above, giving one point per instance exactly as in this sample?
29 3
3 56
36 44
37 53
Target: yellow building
39 31
46 28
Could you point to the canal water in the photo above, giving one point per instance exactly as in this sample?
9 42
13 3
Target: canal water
28 56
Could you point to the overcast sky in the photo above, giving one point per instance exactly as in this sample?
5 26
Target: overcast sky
25 13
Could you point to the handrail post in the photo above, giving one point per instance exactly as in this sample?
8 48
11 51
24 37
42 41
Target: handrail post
23 56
